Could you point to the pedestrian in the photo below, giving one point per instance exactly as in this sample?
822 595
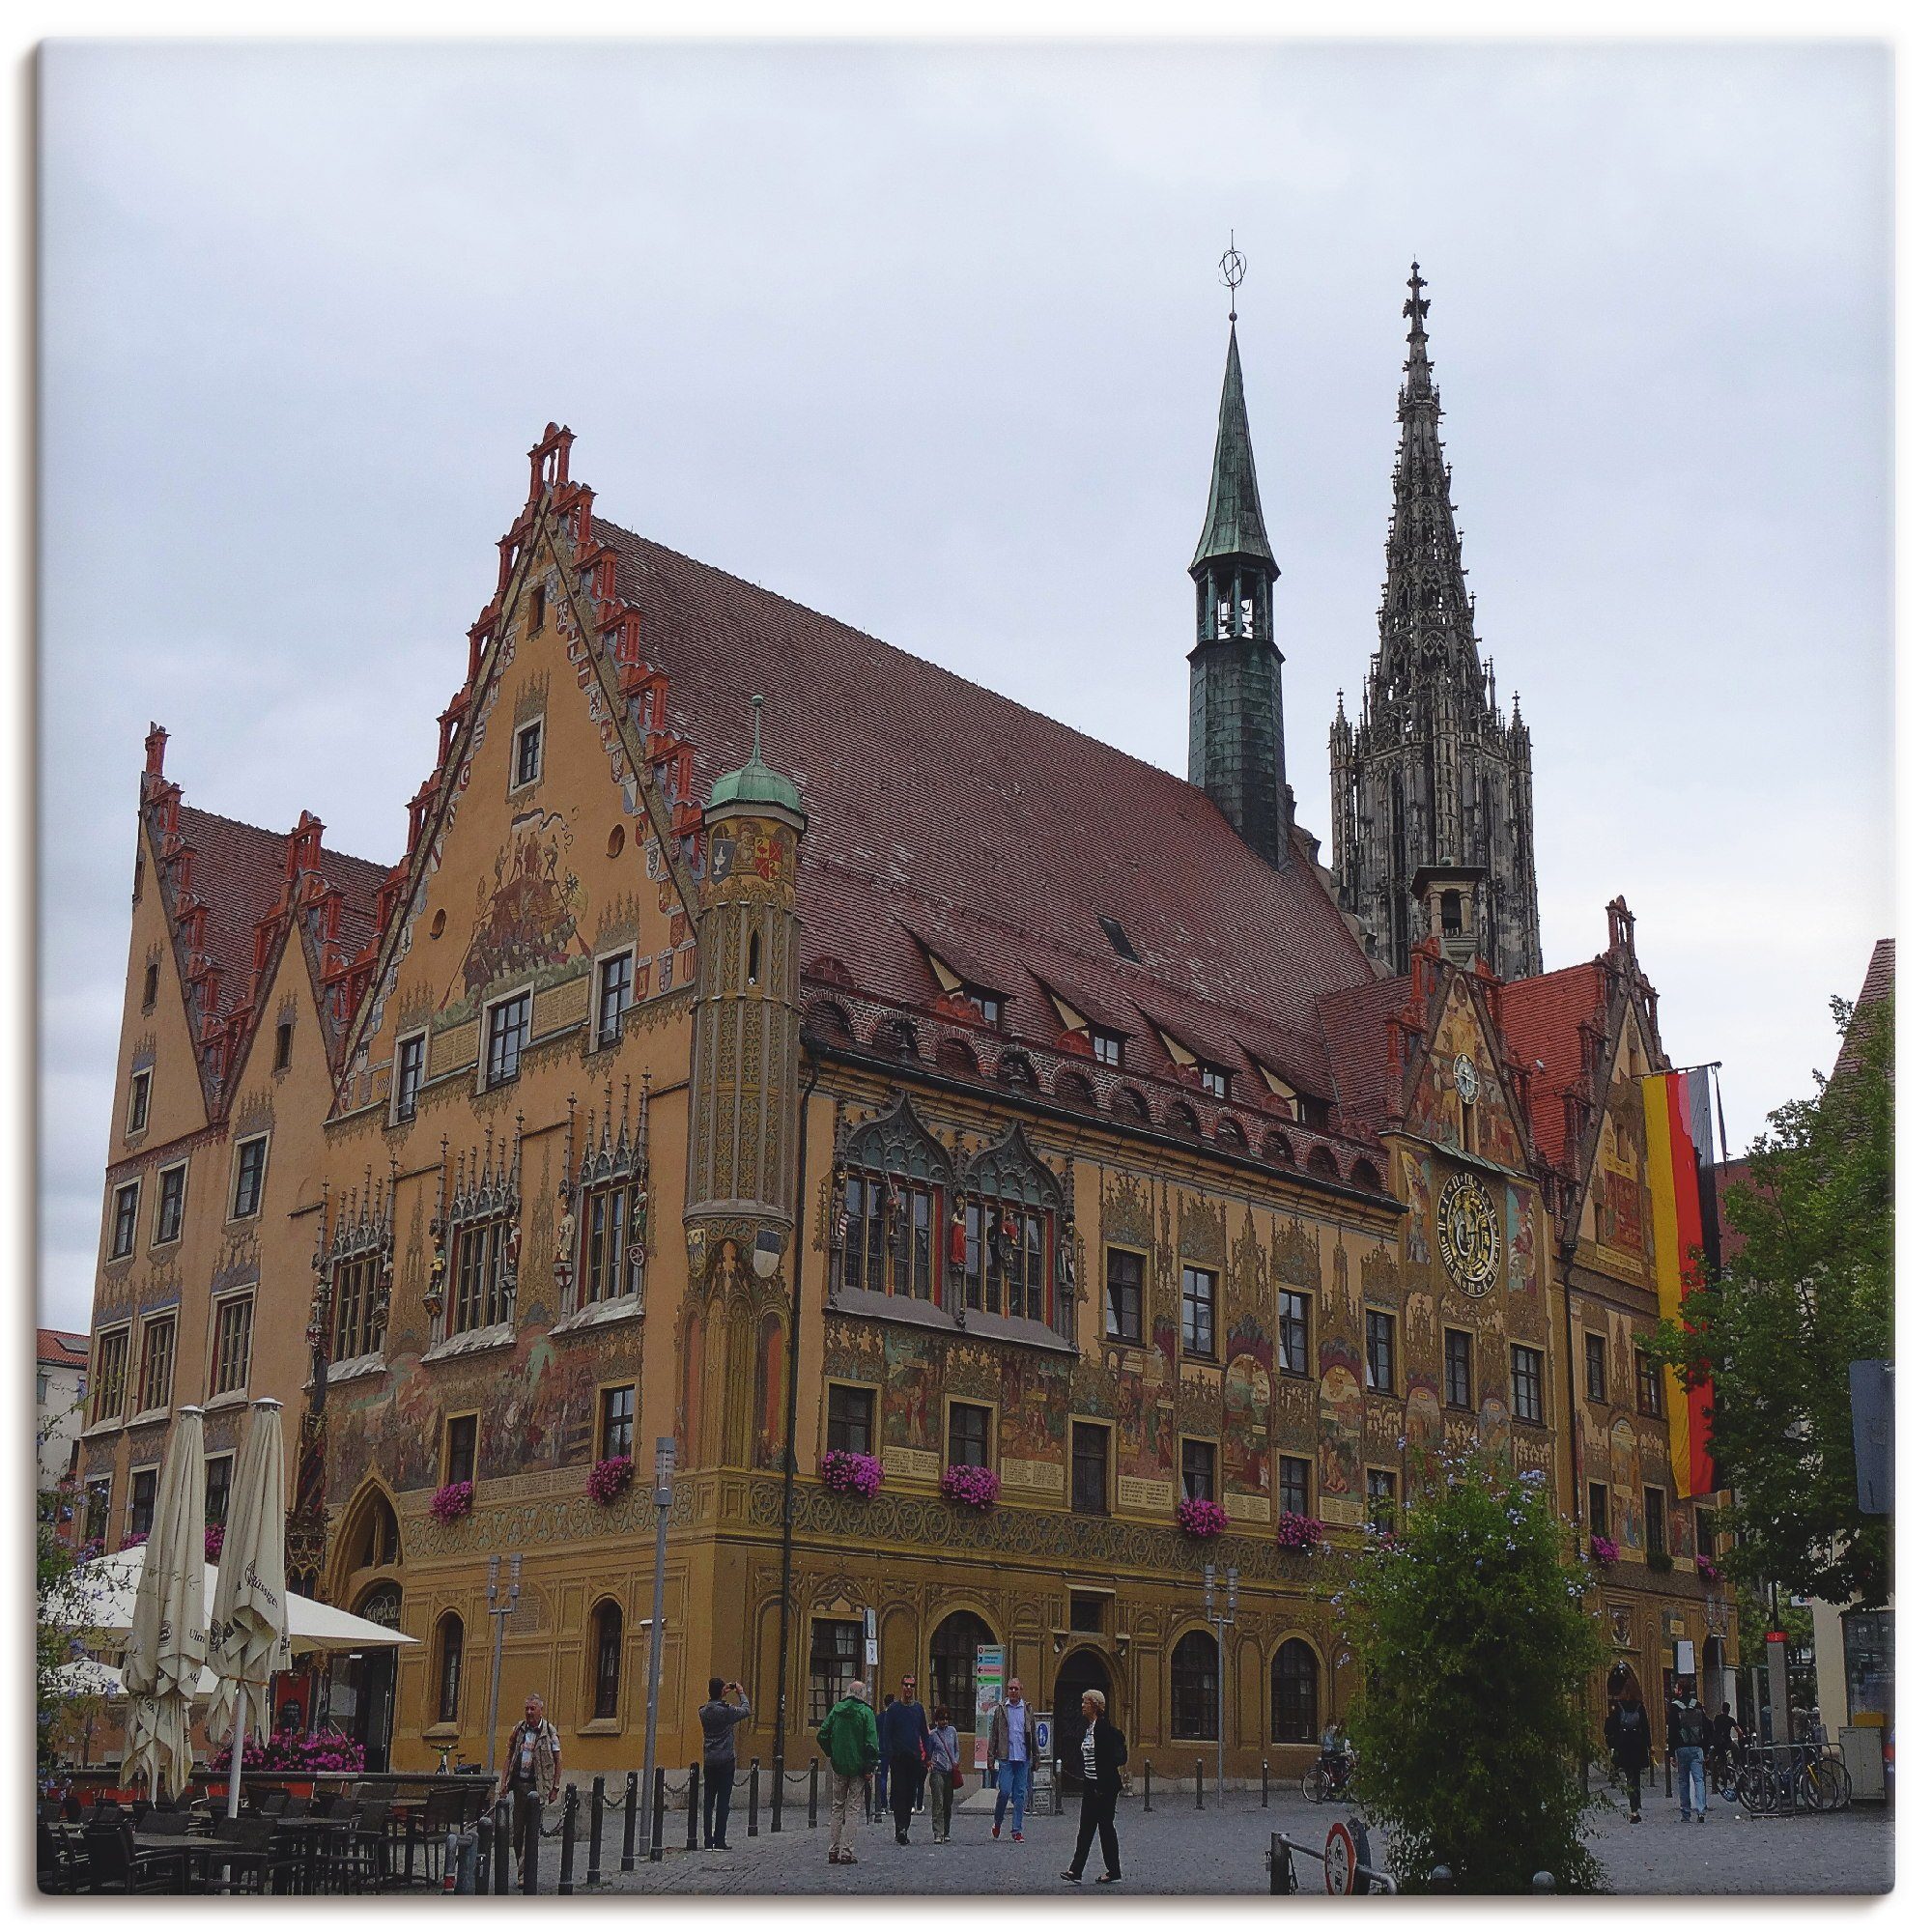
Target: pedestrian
1724 1740
534 1763
904 1745
1627 1733
944 1775
850 1738
875 1794
719 1719
1009 1750
1690 1732
1103 1752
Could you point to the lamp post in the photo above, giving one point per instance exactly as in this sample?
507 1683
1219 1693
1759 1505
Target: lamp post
1223 1620
666 1463
500 1616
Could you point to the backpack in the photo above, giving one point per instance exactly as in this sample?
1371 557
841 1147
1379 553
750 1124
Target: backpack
1693 1727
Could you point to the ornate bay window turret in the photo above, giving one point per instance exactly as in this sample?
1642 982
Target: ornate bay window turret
476 1237
357 1263
601 1231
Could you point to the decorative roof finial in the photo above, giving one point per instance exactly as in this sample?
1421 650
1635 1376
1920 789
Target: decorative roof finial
1417 304
758 711
1233 270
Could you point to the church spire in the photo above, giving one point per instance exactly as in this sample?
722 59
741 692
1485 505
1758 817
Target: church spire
1234 526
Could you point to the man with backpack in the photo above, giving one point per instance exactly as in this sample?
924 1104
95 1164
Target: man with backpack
1690 1733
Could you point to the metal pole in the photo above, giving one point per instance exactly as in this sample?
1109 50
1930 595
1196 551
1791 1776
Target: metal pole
502 1845
532 1838
499 1617
691 1803
666 1462
594 1875
811 1798
628 1859
1147 1784
486 1838
235 1750
566 1887
657 1815
752 1808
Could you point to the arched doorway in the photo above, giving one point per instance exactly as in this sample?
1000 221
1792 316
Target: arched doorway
369 1678
1084 1670
952 1667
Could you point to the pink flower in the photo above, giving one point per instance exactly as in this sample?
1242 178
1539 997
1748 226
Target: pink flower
852 1473
211 1539
1201 1518
1603 1552
1298 1532
609 1479
967 1484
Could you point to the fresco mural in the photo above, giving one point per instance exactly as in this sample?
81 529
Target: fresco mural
909 1404
1625 1487
1244 1402
1419 1222
1519 1233
527 912
1145 1380
1422 1438
1339 1442
1033 1415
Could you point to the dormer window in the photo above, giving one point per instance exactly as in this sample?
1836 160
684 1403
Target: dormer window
1215 1080
1110 1049
991 1007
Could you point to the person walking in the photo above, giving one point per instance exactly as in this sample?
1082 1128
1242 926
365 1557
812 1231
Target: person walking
719 1719
1103 1752
534 1763
1627 1733
875 1794
904 1745
1691 1727
1009 1750
850 1738
943 1775
1723 1742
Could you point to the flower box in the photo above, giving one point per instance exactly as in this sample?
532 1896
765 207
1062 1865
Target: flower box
1707 1570
299 1753
1298 1532
851 1474
1656 1559
970 1486
1603 1552
1201 1518
609 1479
450 1504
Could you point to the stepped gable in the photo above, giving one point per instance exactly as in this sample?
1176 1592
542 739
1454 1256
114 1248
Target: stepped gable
946 815
1544 1019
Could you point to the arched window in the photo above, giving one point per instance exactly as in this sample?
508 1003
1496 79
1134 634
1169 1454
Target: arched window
1073 1088
955 1646
1012 1204
607 1658
1364 1177
372 1537
1130 1104
827 1019
1230 1135
956 1057
1292 1719
1277 1146
1194 1674
896 1177
1181 1119
1321 1162
449 1667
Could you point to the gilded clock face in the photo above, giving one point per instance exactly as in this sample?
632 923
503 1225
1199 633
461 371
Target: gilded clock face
1466 1231
1465 1076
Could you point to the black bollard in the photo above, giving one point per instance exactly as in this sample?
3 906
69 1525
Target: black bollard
564 1883
1281 1864
1200 1801
532 1839
1668 1792
691 1803
811 1798
1441 1879
657 1815
485 1838
1147 1784
628 1859
1265 1784
594 1875
779 1789
500 1885
1056 1788
751 1809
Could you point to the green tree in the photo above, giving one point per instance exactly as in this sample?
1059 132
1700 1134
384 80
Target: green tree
1809 1294
1474 1648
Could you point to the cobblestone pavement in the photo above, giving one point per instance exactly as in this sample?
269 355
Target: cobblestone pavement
1175 1849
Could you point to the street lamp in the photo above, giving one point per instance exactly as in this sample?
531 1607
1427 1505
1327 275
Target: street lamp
500 1614
1223 1620
666 1462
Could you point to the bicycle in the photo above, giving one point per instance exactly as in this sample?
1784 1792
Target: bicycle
1325 1780
1823 1783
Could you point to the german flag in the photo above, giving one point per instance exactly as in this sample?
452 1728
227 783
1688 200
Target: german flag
1681 1165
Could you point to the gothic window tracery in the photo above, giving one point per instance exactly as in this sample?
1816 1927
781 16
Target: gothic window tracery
890 1206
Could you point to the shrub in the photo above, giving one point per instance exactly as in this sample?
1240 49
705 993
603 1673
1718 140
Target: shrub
609 1479
451 1504
1657 1558
1298 1532
1472 1632
851 1474
968 1484
1201 1518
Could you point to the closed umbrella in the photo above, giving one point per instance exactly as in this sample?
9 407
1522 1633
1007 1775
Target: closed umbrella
248 1620
169 1637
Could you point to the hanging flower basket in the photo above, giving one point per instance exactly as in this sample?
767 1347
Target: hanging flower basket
451 1504
322 1753
851 1474
970 1486
1201 1518
211 1539
609 1479
1603 1552
1707 1570
1298 1532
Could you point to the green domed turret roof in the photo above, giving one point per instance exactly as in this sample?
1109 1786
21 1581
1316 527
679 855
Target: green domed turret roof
755 783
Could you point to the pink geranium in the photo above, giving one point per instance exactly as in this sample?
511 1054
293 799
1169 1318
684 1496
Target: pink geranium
609 1479
1200 1516
1298 1532
851 1474
211 1539
1603 1552
968 1484
453 1502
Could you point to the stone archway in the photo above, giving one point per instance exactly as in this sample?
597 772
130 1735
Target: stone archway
1084 1670
951 1663
370 1677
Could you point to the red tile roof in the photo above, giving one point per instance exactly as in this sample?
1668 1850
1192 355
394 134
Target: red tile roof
1542 1021
996 835
60 1347
1358 1022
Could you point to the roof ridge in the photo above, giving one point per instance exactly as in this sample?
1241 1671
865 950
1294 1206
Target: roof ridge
328 852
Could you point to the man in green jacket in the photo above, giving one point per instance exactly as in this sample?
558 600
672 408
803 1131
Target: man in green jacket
850 1738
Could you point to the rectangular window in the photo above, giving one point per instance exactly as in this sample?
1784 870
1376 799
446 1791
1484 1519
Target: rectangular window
480 1297
1086 1612
1005 1259
1197 1469
220 1479
138 1101
614 1261
141 1502
1110 1049
969 1434
1197 1331
285 1040
251 1167
1649 1385
174 1196
1215 1080
150 985
1379 1363
110 1374
1526 1383
100 1500
1596 1378
1381 1498
614 995
886 1242
848 1419
1297 1484
529 753
158 1364
618 1421
1656 1535
1291 1355
234 1330
1126 1277
1600 1509
1089 1468
509 1034
459 1449
410 1057
127 1215
833 1661
1707 1534
990 1006
536 611
359 1309
1458 1350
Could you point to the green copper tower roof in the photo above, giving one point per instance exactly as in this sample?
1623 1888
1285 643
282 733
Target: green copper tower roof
1234 526
755 783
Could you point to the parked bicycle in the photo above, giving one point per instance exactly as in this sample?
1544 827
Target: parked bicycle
1329 1775
1790 1778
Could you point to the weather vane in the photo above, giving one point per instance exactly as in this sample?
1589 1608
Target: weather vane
1233 266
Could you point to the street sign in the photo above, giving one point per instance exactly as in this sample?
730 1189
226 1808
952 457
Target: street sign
989 1685
1343 1857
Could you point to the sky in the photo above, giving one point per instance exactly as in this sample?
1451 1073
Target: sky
931 339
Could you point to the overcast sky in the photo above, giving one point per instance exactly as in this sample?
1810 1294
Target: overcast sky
932 341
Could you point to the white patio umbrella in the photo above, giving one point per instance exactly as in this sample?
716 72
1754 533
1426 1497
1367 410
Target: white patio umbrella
248 1620
170 1631
89 1677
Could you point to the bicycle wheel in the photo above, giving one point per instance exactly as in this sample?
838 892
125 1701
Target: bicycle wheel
1754 1792
1315 1783
1828 1785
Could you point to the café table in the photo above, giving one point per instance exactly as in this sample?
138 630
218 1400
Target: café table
313 1839
188 1851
